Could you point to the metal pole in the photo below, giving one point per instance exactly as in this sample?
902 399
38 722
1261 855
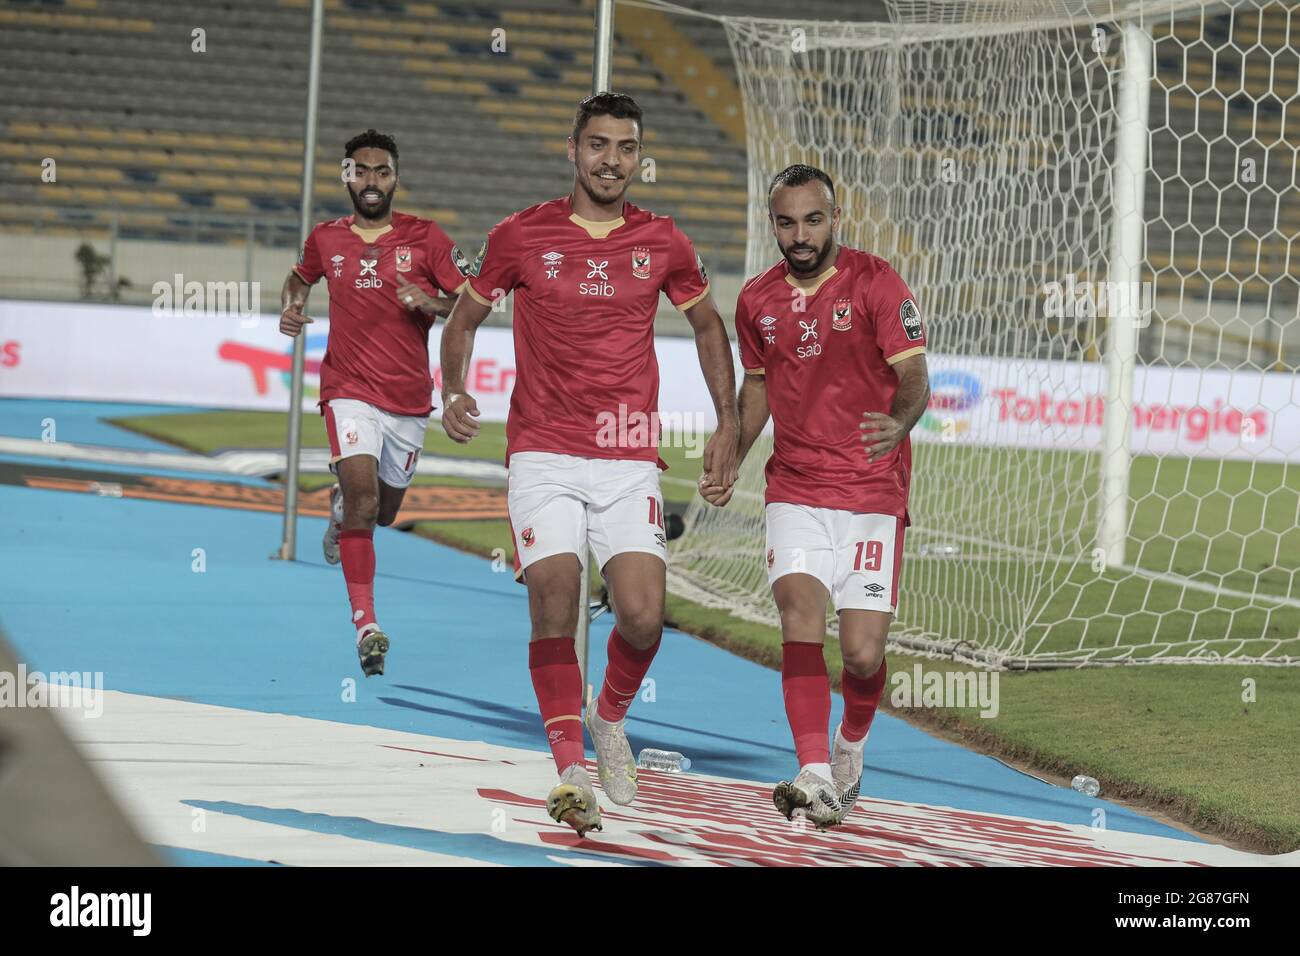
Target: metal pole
601 68
289 541
1125 268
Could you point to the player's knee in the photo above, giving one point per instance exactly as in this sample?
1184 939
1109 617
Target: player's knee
642 627
386 518
361 508
864 661
799 618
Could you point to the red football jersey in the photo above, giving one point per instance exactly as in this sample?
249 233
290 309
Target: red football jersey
378 349
826 347
586 294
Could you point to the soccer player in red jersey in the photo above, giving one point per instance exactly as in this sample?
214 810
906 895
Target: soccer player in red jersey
385 271
834 351
587 271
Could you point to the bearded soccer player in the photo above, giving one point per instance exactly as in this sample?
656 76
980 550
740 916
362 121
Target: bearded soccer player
833 349
385 271
587 271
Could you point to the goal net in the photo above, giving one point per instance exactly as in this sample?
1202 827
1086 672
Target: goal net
1096 206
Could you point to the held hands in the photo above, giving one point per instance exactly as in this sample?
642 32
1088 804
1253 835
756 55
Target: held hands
415 298
880 434
459 412
721 465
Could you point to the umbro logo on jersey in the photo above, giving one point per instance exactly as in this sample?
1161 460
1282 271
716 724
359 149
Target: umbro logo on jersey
809 332
369 279
768 322
553 262
604 288
338 266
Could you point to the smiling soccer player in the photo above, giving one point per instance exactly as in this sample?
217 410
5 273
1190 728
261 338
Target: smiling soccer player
834 352
587 271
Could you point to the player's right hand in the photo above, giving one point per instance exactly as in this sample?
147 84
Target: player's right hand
292 321
458 417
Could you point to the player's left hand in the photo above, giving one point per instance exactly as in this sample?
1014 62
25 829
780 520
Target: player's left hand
880 434
413 297
721 453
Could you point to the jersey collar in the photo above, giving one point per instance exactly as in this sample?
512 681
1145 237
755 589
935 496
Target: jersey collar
594 228
810 285
369 235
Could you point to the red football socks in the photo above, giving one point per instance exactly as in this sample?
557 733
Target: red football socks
557 681
861 698
807 692
624 672
357 549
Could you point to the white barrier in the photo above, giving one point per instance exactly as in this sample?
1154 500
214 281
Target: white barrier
119 353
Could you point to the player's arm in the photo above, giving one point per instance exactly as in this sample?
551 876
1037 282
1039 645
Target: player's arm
459 410
881 433
293 300
753 412
714 348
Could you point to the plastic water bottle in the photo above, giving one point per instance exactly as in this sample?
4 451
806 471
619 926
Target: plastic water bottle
1086 785
668 761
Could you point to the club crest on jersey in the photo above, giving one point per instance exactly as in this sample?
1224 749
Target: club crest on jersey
528 538
842 315
338 266
641 262
910 316
553 262
403 259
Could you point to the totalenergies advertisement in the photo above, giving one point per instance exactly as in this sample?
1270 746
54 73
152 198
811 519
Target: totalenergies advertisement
1041 404
130 354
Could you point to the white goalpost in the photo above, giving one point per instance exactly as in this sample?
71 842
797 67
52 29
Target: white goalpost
1095 202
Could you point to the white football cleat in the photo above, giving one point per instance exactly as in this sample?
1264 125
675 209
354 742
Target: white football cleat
330 544
809 796
572 801
846 770
614 762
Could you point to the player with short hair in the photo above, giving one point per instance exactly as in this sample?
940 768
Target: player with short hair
834 351
387 273
587 271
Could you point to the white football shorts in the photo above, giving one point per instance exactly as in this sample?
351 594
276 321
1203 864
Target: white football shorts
357 428
856 557
561 503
